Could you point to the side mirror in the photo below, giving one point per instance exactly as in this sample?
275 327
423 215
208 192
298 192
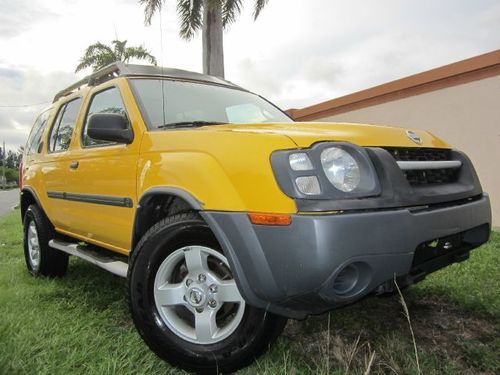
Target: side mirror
111 127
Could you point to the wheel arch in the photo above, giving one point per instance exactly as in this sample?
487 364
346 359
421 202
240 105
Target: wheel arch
158 202
145 219
27 198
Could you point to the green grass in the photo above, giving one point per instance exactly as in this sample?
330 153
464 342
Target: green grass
80 324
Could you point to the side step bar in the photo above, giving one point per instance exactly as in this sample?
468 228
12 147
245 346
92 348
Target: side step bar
109 263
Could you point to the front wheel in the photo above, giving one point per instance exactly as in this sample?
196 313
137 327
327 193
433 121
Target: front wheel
185 302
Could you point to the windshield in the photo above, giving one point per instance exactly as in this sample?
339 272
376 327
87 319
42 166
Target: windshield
200 104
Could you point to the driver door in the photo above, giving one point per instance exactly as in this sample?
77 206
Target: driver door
102 185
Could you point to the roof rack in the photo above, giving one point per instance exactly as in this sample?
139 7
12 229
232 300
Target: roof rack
104 74
119 69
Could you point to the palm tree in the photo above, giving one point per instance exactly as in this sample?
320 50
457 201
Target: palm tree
98 55
212 16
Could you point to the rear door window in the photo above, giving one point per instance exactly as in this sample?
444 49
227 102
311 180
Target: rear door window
64 124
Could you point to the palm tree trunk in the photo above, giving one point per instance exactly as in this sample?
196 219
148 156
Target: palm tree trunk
213 49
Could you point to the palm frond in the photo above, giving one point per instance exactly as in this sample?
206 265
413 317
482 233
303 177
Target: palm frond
104 60
93 54
139 53
231 9
150 8
97 48
119 48
257 9
190 13
84 64
98 55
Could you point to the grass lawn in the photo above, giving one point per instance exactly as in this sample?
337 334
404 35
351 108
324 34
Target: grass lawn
80 324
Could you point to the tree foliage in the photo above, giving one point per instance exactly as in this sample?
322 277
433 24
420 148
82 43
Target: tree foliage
190 12
9 164
10 159
98 55
11 175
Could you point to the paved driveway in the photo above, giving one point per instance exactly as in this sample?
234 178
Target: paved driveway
8 199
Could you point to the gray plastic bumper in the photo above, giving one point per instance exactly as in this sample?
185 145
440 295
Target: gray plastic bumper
291 270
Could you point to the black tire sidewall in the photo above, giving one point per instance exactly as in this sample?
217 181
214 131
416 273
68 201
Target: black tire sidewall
29 216
250 338
52 262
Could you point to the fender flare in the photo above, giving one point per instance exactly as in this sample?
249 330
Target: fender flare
27 189
197 205
192 201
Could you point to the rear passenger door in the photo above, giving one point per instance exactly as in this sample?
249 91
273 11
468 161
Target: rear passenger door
57 161
103 185
31 165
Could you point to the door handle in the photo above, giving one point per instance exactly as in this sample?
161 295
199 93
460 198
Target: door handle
74 165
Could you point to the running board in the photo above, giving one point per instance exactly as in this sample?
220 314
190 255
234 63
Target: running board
109 263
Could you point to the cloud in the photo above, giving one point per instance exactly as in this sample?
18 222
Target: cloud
8 73
296 54
306 53
323 70
255 75
20 15
25 87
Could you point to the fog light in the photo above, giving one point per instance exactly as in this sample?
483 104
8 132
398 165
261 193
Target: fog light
346 279
308 185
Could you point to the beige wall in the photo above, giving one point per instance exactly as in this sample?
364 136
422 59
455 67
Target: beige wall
467 116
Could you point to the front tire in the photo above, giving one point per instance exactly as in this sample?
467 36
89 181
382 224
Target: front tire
186 305
41 259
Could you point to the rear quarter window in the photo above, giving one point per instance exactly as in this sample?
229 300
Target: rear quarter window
35 142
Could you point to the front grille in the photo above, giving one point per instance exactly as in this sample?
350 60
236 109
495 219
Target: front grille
419 154
431 176
425 176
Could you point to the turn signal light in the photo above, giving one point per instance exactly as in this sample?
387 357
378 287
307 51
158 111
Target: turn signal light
269 219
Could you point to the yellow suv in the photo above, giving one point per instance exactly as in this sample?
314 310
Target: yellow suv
226 217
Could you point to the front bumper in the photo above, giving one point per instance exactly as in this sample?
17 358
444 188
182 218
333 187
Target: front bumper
293 270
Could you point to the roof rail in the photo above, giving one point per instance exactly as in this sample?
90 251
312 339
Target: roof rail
120 69
108 72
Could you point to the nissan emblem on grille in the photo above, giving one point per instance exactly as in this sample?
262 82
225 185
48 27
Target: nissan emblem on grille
414 137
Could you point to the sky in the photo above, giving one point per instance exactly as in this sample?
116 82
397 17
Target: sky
297 53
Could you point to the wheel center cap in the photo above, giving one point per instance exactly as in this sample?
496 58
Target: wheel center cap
196 297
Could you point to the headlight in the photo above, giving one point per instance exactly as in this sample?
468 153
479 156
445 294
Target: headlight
341 169
326 171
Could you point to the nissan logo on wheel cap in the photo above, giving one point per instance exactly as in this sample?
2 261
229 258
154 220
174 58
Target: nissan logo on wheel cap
414 137
196 297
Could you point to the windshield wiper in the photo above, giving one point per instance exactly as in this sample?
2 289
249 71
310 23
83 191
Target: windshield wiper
183 124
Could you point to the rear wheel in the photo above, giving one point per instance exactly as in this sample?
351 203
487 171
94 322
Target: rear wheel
185 302
41 259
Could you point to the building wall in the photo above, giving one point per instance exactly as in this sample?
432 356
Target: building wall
467 116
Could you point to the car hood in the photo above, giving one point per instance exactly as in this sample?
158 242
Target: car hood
304 134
